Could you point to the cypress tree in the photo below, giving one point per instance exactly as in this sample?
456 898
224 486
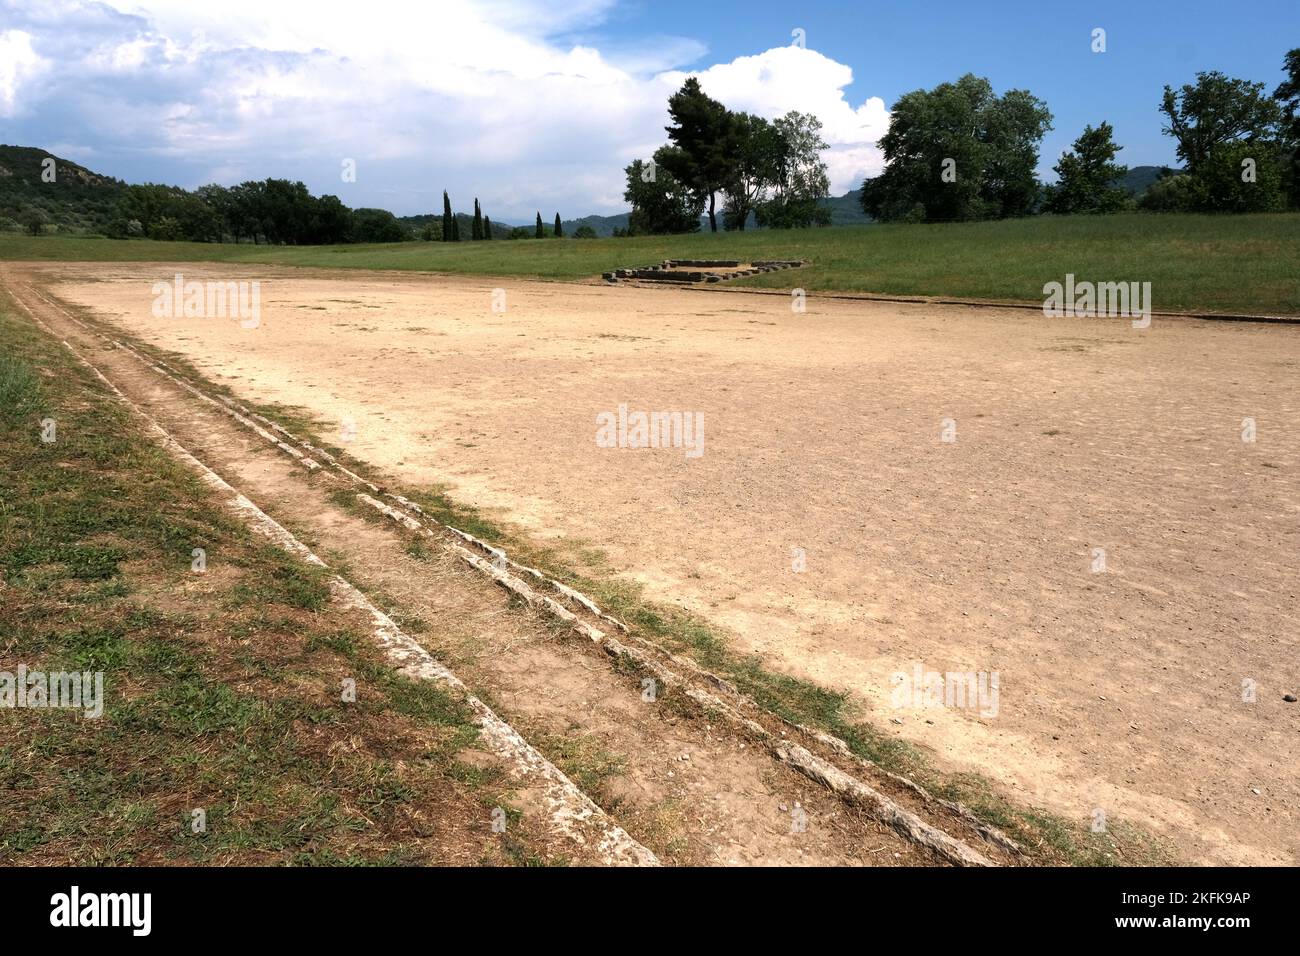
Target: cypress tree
559 230
455 229
541 230
476 230
487 228
446 217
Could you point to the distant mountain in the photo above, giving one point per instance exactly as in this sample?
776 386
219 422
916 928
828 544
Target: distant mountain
846 210
78 200
1139 178
603 225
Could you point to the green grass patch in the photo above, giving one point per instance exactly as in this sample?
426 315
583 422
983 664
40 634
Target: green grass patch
1245 263
222 691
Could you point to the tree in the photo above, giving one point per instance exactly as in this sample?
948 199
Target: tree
447 218
800 178
487 228
377 225
476 229
540 233
1288 97
1087 175
1242 177
559 229
33 220
1216 110
705 135
756 156
455 229
959 152
584 232
661 204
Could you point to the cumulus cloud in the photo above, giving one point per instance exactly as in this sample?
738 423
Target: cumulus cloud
794 78
20 64
492 98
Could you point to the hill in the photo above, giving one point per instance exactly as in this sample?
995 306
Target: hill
78 200
1139 178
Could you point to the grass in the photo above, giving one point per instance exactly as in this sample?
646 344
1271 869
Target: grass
222 690
1248 263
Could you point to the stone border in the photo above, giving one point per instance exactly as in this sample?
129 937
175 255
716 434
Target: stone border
572 813
698 270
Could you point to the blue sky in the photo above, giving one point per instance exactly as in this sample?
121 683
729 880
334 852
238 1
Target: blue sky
534 105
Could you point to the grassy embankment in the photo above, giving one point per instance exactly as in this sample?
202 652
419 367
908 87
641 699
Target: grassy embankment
1212 263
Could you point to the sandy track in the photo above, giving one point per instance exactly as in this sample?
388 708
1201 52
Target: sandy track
1120 690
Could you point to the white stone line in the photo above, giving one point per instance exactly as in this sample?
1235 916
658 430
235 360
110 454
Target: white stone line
571 811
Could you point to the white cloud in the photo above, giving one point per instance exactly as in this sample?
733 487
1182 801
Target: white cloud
19 64
794 78
481 98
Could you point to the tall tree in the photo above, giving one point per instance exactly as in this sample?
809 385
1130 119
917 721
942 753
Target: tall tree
455 229
447 218
476 229
540 231
959 152
801 178
705 134
559 229
1217 110
1087 175
661 204
487 228
756 160
1288 97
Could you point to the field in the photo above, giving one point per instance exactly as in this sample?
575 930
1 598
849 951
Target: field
827 528
1213 263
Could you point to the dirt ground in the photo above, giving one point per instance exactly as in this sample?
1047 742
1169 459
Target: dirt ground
1120 686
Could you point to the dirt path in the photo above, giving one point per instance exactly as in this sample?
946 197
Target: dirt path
1121 688
690 790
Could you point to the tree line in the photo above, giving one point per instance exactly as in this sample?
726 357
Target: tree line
281 212
960 152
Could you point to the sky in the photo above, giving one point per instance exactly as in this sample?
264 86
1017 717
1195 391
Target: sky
537 105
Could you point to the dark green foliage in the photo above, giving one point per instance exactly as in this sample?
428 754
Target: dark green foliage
539 230
959 152
487 228
559 229
377 225
661 203
705 134
447 218
1087 175
476 230
78 200
1216 110
1288 97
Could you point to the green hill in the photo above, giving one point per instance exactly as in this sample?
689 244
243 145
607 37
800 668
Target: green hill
1139 178
77 201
